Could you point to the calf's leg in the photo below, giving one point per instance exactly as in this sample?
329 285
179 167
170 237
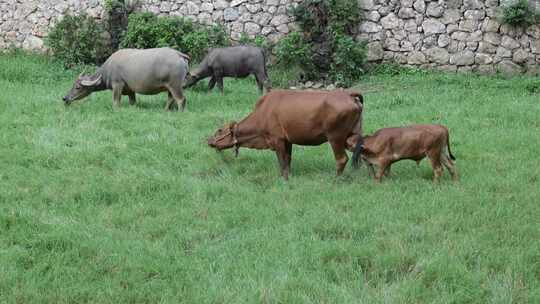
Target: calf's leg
387 171
371 169
383 164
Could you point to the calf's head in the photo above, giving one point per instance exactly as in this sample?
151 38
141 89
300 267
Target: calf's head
83 86
224 138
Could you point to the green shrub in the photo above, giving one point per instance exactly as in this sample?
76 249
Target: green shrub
259 41
348 58
146 30
519 13
325 48
292 50
77 40
317 15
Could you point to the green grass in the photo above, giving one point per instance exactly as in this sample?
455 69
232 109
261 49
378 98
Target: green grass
131 206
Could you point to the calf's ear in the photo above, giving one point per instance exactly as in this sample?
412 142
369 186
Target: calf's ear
95 80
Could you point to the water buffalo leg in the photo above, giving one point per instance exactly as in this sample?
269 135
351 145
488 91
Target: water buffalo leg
259 76
169 104
117 94
211 84
132 98
338 146
220 83
178 96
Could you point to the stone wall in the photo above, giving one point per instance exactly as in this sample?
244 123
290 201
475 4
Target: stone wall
24 23
452 35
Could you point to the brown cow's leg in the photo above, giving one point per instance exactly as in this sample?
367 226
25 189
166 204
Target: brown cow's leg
283 150
340 155
449 164
435 159
288 149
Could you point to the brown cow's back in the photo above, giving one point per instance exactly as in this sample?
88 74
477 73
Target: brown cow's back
305 117
287 117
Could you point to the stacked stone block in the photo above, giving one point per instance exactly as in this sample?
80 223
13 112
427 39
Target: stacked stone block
451 35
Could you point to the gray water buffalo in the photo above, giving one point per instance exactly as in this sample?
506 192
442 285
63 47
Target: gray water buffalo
130 71
236 61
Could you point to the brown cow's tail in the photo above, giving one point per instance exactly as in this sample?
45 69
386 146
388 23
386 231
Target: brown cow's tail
448 146
357 152
357 97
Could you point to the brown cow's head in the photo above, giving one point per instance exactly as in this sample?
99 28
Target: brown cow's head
224 138
83 86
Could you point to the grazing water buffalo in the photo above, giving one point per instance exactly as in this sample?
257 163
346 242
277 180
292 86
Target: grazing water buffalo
286 117
236 61
130 71
415 142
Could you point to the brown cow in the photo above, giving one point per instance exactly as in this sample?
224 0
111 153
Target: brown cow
285 117
415 142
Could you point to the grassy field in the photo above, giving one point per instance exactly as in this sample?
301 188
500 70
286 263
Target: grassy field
130 206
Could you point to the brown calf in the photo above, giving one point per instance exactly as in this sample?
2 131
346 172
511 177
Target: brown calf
285 117
415 142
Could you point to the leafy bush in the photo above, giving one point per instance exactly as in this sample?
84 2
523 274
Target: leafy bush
348 58
259 41
77 40
519 13
325 48
146 30
317 15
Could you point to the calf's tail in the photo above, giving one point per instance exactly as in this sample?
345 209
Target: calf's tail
448 146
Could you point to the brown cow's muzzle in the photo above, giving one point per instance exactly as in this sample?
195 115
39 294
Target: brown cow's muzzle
212 142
